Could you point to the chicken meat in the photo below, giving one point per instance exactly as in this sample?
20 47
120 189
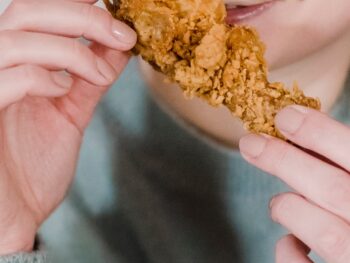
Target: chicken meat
189 41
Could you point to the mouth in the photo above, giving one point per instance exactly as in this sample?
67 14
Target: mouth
242 10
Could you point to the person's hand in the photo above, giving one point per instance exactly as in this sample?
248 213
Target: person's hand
50 84
318 214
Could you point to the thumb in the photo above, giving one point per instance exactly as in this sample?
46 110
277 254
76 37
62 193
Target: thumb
118 59
80 103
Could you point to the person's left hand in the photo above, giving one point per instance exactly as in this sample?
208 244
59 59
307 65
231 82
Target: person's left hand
318 214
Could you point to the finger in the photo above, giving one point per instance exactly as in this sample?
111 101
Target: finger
80 103
320 230
20 81
316 131
54 52
82 1
324 184
68 18
290 249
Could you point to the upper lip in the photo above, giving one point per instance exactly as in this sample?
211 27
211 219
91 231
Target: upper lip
244 2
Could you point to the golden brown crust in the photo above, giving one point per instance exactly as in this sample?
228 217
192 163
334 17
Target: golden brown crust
189 41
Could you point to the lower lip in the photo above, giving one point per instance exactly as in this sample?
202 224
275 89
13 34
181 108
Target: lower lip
238 14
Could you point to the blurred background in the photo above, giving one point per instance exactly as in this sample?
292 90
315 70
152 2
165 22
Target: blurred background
4 4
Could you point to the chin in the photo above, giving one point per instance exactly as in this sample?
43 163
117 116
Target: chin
293 30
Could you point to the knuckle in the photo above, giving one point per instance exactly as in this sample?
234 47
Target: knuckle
20 6
339 196
95 16
32 75
88 12
314 127
16 13
80 51
282 157
334 243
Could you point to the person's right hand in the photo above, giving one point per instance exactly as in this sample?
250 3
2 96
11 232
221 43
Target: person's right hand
43 111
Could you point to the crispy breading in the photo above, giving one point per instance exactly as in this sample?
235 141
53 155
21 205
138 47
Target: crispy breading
189 41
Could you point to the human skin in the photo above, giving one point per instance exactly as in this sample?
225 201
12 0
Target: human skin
43 110
307 41
317 214
40 137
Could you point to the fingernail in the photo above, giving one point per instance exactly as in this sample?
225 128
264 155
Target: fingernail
105 69
290 119
252 145
123 33
62 80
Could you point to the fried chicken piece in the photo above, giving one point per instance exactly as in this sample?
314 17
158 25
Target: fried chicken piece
189 41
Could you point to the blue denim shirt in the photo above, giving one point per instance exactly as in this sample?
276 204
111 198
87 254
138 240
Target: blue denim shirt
149 190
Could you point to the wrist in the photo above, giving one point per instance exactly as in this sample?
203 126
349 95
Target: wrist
17 238
8 247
